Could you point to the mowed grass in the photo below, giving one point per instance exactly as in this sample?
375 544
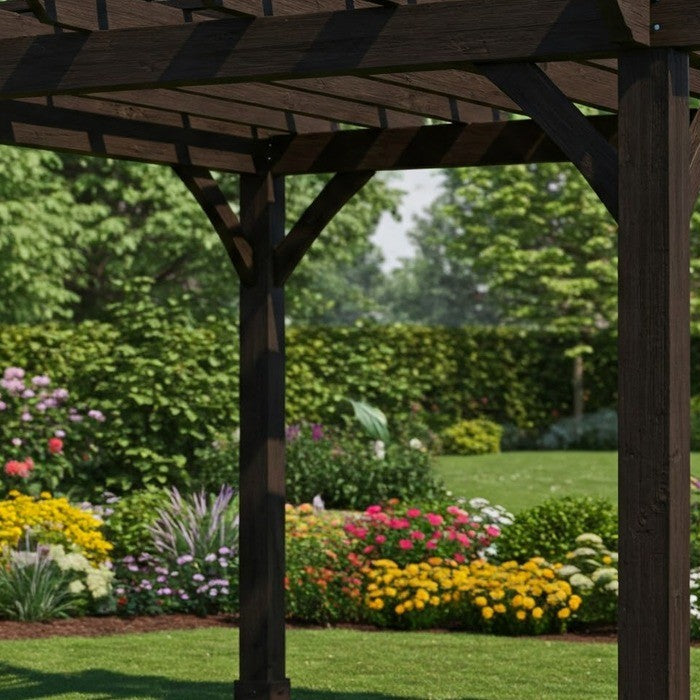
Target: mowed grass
324 664
519 480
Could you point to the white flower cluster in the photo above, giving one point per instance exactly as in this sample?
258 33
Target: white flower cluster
97 579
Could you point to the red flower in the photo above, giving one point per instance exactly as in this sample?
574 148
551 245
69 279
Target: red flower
21 469
55 445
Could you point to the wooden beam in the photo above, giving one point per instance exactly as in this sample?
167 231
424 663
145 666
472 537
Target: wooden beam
587 149
13 26
333 197
443 146
43 126
209 196
654 376
629 19
430 36
262 450
676 23
104 14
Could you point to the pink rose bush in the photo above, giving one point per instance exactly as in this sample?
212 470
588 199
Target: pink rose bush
405 534
43 437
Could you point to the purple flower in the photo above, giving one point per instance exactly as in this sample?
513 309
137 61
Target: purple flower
210 558
60 394
132 567
28 394
41 380
223 562
13 373
184 596
128 559
213 592
3 405
62 434
293 432
17 442
224 550
41 407
162 579
50 402
14 386
75 417
198 577
146 585
96 415
316 432
164 591
184 559
26 417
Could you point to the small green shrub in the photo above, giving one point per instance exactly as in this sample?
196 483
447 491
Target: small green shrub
479 436
128 526
591 569
351 471
548 530
595 431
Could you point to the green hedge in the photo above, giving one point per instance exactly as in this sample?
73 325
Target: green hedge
170 391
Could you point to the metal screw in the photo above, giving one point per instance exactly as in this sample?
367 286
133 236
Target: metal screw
656 27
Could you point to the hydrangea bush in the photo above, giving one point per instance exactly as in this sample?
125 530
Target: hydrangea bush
45 441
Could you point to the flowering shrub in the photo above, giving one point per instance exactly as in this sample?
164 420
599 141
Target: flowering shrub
591 570
43 439
352 471
509 598
408 534
322 586
194 565
47 520
694 603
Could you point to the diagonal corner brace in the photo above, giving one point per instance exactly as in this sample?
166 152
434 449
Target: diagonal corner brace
200 182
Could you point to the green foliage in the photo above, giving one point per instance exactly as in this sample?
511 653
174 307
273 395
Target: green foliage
548 530
128 525
479 436
371 419
351 471
35 589
695 423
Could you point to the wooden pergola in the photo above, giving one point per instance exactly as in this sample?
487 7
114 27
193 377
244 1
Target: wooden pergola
274 88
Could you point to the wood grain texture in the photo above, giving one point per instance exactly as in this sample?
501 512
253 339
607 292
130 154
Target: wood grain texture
39 125
678 23
588 150
332 198
654 376
418 37
441 146
213 202
694 160
628 19
262 449
13 26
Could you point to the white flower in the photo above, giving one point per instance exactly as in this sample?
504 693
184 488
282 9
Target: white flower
379 449
76 587
318 503
416 444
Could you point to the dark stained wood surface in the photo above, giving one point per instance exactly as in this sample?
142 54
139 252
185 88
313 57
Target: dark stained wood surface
262 449
586 148
332 198
654 376
441 146
213 202
676 23
419 37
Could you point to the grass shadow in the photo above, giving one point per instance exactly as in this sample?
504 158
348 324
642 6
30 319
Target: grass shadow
18 683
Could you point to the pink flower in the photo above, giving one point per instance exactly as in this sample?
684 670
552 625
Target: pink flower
373 509
459 558
398 523
434 519
380 539
55 445
368 549
412 513
463 539
405 544
493 530
454 510
360 533
417 535
431 544
21 469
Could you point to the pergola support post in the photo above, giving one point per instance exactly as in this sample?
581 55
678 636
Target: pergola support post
654 375
262 449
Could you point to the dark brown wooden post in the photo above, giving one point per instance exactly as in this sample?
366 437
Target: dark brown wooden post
262 645
654 378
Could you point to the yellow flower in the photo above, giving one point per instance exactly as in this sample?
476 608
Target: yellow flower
487 612
521 615
537 613
607 559
574 602
499 608
400 609
528 602
517 601
563 613
480 601
419 604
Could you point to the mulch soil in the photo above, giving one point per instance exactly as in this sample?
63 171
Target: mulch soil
109 625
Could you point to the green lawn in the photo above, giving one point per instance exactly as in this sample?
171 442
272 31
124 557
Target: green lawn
323 664
519 480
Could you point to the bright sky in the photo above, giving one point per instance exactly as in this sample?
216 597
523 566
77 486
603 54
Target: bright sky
421 188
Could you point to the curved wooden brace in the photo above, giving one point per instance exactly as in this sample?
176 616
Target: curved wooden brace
332 198
206 191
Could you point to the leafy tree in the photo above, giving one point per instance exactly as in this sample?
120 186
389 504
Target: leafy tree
75 229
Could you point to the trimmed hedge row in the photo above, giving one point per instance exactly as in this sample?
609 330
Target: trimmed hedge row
170 392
